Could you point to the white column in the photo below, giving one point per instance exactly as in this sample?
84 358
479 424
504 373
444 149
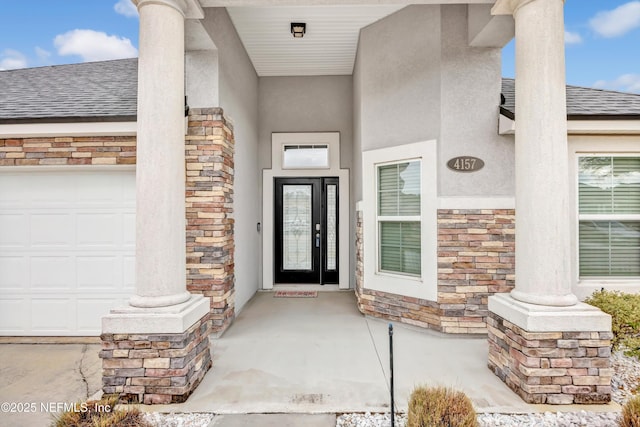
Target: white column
160 172
543 248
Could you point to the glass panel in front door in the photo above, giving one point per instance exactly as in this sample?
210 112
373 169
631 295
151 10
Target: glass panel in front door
332 226
296 227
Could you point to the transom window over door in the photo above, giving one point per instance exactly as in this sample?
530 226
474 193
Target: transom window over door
609 216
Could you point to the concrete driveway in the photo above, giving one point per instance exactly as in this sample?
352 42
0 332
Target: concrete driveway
46 375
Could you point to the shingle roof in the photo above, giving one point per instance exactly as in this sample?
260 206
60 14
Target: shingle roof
92 91
107 91
584 103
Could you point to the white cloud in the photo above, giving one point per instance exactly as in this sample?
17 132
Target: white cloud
572 38
93 45
43 55
126 8
624 83
617 22
11 59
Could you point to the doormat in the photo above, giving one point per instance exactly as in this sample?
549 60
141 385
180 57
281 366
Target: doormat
295 294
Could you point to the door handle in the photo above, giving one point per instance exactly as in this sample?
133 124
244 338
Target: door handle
317 240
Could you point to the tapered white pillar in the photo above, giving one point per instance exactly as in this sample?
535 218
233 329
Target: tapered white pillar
160 173
543 248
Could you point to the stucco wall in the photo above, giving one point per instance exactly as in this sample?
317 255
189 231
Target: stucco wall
428 83
307 104
397 79
470 92
238 95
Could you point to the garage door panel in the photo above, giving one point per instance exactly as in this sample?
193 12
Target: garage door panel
98 229
13 230
14 314
53 315
98 272
52 272
52 230
52 192
129 273
103 189
129 229
14 272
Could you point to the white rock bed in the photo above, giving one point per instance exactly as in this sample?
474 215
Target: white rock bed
179 419
625 381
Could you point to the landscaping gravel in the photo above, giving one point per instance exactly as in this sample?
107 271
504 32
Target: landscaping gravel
179 420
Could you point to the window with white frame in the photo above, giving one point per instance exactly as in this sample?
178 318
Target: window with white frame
609 216
398 218
399 211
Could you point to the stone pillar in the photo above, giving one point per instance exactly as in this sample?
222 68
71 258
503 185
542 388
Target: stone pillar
544 344
156 350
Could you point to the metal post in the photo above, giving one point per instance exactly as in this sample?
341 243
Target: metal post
393 418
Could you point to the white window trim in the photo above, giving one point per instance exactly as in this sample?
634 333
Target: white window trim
596 145
425 286
278 140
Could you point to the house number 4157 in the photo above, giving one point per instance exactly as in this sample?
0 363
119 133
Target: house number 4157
465 164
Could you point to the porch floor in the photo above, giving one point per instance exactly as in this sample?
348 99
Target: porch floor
320 355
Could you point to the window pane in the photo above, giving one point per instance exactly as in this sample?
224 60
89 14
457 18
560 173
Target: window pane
400 247
626 185
609 248
594 183
306 156
609 185
296 238
399 189
388 190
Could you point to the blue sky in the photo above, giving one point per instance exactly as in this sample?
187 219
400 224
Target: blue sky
602 39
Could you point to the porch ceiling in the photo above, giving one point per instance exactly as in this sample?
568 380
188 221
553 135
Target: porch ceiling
328 47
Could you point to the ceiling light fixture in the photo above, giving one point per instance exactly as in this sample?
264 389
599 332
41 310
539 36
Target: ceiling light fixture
298 29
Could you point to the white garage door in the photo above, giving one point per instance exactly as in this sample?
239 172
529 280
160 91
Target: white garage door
67 247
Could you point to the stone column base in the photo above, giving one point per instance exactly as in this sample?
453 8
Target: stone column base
553 355
156 367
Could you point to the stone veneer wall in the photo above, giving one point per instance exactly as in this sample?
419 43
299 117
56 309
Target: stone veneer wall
210 240
476 258
77 150
551 367
155 368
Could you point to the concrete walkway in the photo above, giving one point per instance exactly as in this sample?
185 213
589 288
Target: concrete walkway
320 355
291 356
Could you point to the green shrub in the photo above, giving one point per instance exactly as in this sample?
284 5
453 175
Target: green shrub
101 414
625 318
631 413
440 407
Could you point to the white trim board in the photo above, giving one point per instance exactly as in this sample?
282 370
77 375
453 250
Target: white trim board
34 130
507 126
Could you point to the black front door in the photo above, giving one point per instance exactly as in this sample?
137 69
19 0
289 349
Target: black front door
306 230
